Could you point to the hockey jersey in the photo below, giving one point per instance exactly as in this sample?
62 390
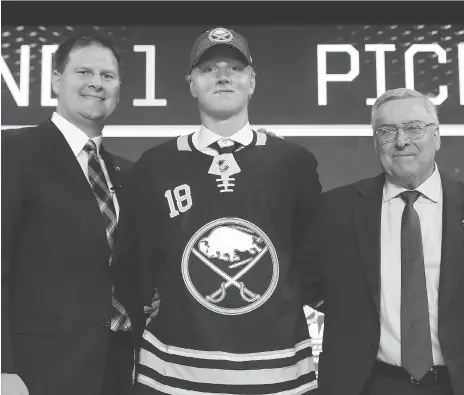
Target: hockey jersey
216 236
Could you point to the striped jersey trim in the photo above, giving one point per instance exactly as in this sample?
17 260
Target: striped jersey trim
227 377
177 370
220 355
303 389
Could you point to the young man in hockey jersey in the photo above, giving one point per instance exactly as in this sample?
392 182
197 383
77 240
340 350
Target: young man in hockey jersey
213 222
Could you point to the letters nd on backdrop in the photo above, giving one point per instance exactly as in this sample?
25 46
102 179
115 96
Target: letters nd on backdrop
307 75
315 85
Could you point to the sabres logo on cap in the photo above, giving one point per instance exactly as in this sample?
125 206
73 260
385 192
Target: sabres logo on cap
220 35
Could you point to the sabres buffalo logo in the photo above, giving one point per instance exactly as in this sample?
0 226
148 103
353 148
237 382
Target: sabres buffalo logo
230 266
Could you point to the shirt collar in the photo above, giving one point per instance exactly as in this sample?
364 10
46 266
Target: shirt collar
75 137
204 137
430 188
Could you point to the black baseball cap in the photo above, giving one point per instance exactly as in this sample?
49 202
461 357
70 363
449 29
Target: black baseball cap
219 36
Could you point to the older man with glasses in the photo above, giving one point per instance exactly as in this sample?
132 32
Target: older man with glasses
393 282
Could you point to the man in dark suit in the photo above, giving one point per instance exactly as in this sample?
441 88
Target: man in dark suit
387 253
63 331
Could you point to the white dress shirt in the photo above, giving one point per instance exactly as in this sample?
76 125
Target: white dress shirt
77 139
429 207
204 137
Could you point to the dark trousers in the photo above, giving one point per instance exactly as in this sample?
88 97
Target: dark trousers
382 385
118 376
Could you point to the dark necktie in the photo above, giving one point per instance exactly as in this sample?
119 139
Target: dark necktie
225 150
97 180
416 343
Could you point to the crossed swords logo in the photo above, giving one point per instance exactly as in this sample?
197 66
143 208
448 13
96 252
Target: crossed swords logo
216 240
219 295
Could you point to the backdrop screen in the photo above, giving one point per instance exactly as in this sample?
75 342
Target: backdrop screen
315 85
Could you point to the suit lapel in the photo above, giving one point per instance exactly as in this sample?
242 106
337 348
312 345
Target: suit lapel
366 216
452 249
70 172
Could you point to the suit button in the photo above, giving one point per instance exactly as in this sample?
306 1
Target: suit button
372 349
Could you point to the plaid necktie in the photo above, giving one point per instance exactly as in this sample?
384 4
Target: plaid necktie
97 180
225 150
416 343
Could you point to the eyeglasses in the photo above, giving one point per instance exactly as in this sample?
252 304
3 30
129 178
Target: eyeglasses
415 130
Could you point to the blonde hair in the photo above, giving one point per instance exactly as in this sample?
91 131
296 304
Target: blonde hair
404 93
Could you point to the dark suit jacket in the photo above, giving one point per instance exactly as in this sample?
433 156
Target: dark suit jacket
56 288
345 266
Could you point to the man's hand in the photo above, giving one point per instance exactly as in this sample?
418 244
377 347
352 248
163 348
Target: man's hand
13 385
153 309
269 133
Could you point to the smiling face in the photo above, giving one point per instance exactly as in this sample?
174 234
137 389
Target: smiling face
222 82
88 87
405 161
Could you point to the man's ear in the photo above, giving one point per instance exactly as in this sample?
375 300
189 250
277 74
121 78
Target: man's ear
252 85
192 85
436 136
376 144
56 80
